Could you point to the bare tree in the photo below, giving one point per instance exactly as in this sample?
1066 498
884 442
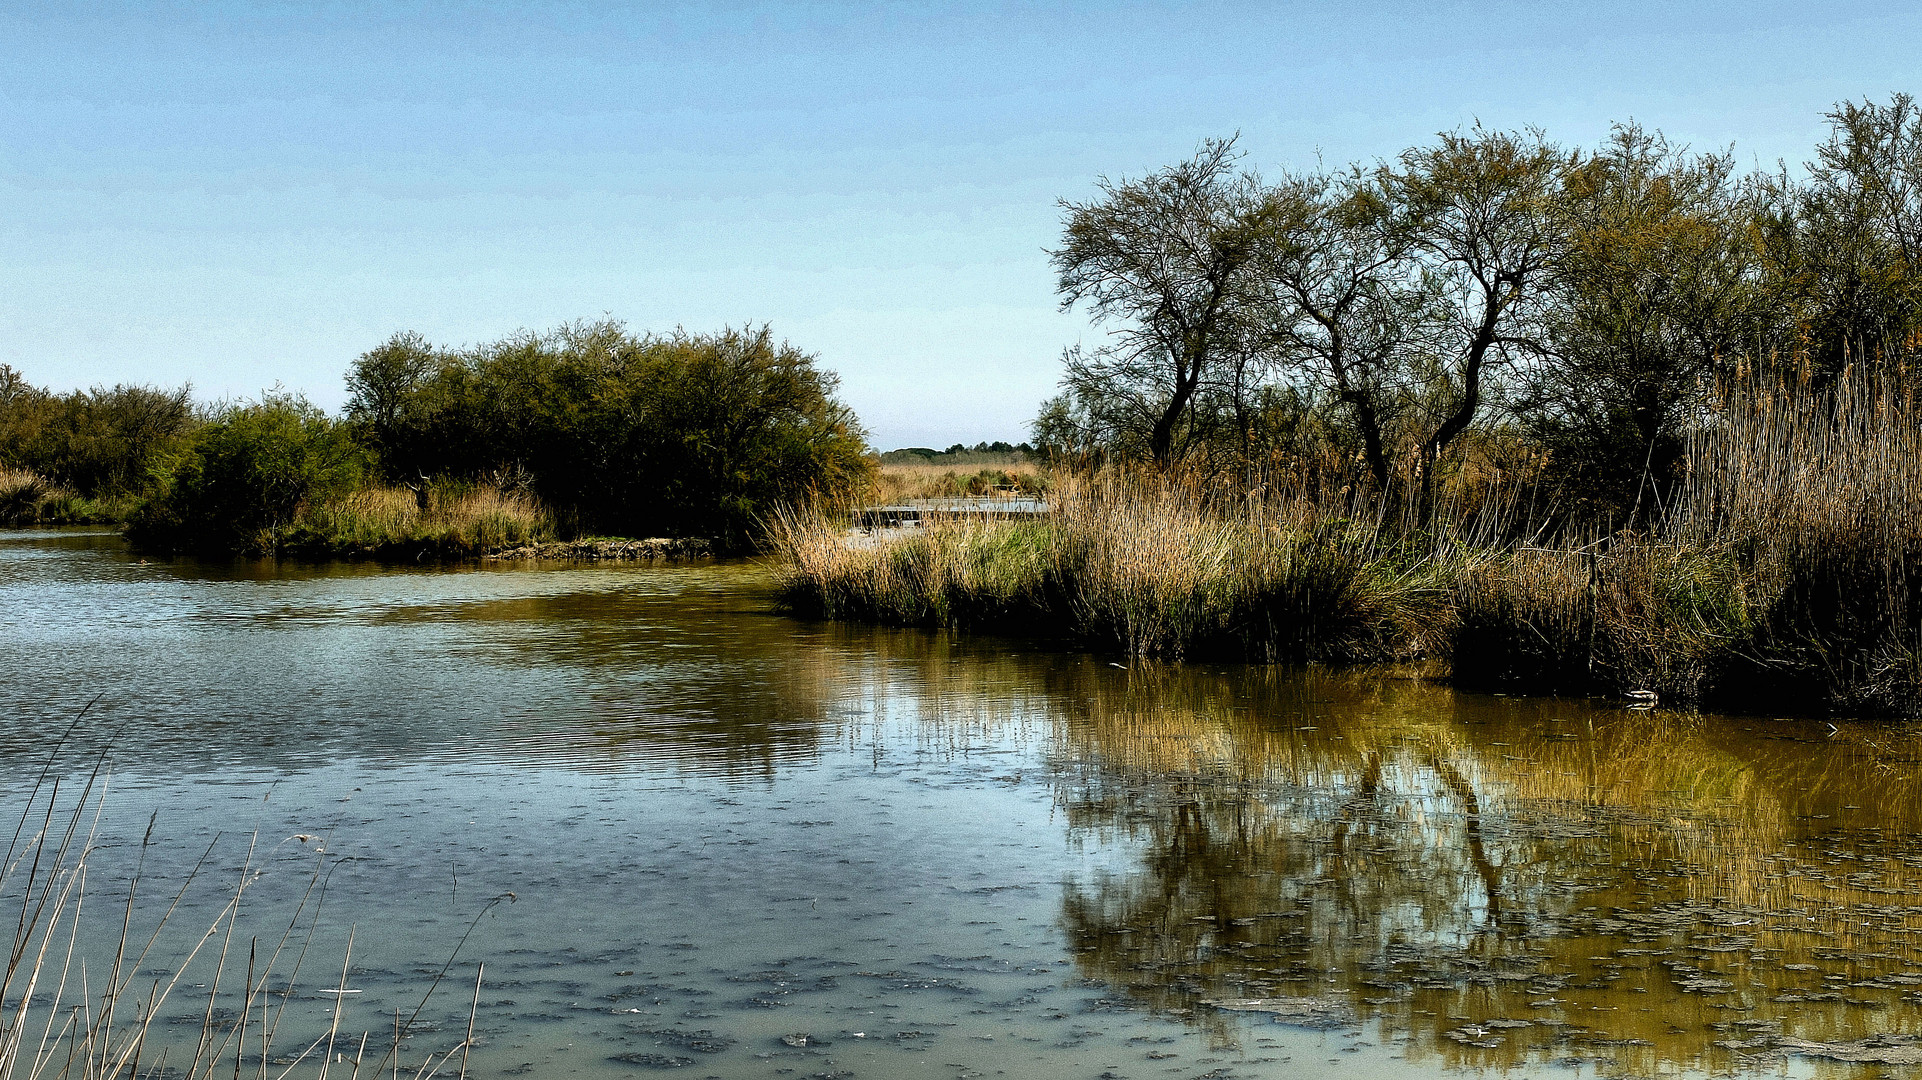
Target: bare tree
1160 259
1480 210
1337 297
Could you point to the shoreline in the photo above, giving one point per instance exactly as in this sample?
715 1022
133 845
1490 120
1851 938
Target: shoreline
654 549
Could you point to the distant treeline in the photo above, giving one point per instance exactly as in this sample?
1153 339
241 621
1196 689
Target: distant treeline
588 429
960 454
1576 310
89 455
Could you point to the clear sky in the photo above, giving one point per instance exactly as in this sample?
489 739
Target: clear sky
246 194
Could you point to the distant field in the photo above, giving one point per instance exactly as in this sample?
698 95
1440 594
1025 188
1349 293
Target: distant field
981 475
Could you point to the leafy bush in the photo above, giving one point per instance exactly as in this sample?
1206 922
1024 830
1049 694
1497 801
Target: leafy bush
246 473
96 450
677 435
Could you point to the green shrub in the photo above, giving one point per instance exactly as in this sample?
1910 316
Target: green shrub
96 451
637 435
239 484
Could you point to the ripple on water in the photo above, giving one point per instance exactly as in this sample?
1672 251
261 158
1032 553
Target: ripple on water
741 843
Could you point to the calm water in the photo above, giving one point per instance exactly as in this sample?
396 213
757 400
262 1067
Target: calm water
937 856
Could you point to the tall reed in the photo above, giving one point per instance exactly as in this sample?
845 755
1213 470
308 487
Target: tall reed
59 1019
1153 565
1785 574
1818 490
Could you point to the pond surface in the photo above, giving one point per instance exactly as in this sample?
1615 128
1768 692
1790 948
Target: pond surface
724 829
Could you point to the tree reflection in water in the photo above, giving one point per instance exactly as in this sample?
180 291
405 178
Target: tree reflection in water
1493 881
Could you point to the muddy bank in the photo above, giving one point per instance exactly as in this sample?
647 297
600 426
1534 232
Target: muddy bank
657 549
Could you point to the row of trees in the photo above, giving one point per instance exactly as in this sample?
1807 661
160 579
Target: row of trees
1586 300
640 435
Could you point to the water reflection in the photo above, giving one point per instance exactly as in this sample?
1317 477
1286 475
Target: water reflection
879 826
288 666
1495 881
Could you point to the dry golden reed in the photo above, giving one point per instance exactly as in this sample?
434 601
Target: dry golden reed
1153 565
447 520
1787 570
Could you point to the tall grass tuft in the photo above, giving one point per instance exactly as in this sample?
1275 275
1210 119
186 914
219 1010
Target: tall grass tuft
59 1019
444 519
27 498
22 495
952 572
1611 615
1151 565
1819 490
1788 573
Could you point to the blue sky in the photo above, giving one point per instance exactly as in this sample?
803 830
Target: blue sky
246 194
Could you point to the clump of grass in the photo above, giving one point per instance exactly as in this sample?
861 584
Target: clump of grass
22 494
1164 566
1789 572
441 519
27 498
1822 489
1154 570
1608 616
1153 566
952 572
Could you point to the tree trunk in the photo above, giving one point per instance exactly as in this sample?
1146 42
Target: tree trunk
1458 420
1187 378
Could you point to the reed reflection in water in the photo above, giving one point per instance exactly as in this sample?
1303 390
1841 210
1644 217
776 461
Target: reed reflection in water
1491 881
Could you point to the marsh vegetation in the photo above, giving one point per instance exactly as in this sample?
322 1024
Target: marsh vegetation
1782 572
1603 421
98 994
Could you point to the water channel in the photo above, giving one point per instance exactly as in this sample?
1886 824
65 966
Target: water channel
744 845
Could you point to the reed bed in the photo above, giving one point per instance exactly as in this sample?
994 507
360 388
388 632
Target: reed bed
1153 566
444 520
1787 573
1818 494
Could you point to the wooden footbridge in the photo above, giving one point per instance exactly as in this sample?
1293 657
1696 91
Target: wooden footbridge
914 512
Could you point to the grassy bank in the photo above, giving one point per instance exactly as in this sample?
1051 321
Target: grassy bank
1148 565
28 499
1787 575
439 520
444 520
